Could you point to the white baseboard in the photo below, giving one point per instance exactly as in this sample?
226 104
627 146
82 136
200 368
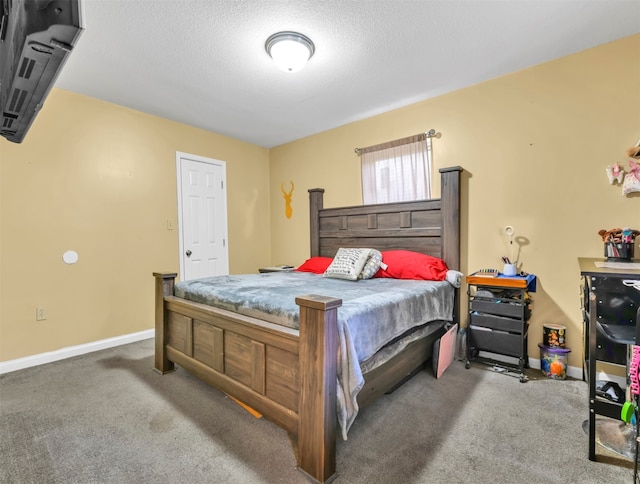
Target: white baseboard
63 353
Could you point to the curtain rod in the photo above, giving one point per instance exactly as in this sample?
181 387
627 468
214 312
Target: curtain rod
411 139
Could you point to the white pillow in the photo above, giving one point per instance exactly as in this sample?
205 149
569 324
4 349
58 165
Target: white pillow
372 265
347 263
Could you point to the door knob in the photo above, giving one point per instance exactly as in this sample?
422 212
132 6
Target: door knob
188 253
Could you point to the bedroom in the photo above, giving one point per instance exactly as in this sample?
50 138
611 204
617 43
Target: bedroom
61 191
534 145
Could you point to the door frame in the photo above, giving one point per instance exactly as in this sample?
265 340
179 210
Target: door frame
210 161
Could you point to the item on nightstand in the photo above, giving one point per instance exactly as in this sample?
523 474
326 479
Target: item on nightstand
486 273
553 361
509 270
511 259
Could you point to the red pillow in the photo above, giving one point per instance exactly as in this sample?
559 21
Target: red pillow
317 265
404 264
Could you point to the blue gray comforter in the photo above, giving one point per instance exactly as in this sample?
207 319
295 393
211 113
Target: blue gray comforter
373 313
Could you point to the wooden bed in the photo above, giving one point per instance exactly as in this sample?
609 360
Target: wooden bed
288 375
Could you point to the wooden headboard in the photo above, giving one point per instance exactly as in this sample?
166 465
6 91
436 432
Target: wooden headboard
427 226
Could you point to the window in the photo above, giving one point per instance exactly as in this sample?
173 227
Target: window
397 171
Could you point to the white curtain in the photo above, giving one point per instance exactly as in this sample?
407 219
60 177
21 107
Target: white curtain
397 172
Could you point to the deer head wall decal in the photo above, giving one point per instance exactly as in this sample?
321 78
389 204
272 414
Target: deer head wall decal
288 211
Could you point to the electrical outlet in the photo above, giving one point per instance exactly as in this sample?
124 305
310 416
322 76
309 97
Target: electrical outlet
41 314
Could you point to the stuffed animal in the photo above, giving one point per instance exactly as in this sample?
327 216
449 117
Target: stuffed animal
614 173
632 179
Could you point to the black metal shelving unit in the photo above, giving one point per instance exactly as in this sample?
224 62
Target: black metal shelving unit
610 310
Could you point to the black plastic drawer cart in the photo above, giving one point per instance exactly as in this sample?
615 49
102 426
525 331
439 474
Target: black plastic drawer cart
498 313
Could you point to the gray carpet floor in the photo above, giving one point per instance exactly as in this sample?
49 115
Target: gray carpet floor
106 417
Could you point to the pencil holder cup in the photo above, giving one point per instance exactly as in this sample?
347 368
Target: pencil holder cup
509 270
618 251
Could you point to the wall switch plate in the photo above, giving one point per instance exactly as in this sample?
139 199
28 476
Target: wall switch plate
41 314
169 224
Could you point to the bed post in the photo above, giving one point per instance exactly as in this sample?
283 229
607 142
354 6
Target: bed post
315 205
450 197
164 287
317 408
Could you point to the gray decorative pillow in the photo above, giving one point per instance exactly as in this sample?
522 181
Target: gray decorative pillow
347 263
372 265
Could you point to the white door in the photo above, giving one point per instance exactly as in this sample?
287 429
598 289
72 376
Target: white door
202 217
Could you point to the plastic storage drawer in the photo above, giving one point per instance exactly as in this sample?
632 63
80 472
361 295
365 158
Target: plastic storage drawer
496 342
497 322
481 305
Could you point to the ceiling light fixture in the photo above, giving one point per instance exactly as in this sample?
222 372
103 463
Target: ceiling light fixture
289 50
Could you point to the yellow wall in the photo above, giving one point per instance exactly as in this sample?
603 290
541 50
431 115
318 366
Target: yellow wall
101 180
534 145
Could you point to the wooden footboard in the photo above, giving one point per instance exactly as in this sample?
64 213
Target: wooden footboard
289 376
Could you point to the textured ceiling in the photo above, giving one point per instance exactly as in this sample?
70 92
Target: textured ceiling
203 63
